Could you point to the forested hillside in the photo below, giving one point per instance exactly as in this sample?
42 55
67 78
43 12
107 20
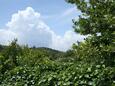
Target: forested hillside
88 63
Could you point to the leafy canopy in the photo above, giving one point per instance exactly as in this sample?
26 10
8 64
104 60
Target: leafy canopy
97 19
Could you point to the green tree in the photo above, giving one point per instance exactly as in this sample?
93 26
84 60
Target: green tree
11 53
97 19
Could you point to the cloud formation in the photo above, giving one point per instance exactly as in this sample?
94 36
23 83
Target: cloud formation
68 12
65 42
28 27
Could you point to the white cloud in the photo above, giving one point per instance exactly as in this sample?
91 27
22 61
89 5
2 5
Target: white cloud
29 28
66 13
6 36
69 11
65 42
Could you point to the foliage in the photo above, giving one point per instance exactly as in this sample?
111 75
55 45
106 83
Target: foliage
97 19
10 54
34 69
66 74
88 52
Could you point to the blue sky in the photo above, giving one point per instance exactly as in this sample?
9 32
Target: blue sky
40 23
49 9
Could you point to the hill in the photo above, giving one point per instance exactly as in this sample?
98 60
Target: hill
51 53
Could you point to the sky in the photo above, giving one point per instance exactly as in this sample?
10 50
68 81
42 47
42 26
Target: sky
40 23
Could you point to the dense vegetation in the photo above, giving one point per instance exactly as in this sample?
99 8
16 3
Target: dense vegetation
88 63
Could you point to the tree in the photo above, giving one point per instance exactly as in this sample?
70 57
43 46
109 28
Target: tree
11 54
97 19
